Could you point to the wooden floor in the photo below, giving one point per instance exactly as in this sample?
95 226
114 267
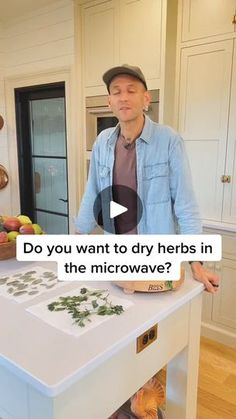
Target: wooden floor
217 381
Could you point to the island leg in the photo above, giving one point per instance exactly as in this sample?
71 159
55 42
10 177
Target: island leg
182 371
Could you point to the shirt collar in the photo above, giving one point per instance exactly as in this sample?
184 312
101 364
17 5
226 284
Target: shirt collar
147 129
113 134
145 134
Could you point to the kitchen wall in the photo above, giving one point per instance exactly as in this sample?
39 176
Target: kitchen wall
42 40
4 193
36 43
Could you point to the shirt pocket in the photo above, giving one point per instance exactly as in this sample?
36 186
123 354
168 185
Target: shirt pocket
156 183
104 176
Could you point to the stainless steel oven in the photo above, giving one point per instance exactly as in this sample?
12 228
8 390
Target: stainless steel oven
99 116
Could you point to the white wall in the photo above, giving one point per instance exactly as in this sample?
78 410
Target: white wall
4 193
41 41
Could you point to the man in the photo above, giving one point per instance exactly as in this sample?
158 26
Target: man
147 157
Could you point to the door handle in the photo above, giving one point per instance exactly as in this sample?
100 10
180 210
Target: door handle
63 200
37 182
225 179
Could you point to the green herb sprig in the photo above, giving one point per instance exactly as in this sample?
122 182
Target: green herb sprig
77 305
169 284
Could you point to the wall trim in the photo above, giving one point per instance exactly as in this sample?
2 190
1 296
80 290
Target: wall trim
218 334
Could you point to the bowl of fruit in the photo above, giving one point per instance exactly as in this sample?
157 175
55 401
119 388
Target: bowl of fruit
10 228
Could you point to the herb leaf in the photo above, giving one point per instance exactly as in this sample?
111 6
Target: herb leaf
89 302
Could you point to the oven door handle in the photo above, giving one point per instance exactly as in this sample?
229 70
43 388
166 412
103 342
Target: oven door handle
98 111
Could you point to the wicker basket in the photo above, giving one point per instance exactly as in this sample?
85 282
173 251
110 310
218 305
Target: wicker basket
7 250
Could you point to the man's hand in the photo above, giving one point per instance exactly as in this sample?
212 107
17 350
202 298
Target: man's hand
208 278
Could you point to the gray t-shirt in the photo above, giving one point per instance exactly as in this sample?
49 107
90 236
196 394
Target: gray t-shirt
124 173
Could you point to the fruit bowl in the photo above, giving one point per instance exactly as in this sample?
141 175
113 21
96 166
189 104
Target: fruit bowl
7 250
10 228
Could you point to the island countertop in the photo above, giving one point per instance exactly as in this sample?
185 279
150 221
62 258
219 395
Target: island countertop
51 360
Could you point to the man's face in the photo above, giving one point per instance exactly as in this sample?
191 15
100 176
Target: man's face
127 98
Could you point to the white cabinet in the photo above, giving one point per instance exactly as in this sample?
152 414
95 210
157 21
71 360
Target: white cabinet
99 38
140 35
206 107
219 310
224 309
118 32
203 18
11 389
205 115
229 203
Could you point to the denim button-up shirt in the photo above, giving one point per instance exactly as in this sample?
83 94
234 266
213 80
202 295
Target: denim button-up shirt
163 182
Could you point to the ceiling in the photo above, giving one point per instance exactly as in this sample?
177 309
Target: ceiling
10 9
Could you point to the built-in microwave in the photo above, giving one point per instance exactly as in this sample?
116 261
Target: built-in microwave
99 116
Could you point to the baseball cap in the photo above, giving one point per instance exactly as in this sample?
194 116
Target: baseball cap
123 69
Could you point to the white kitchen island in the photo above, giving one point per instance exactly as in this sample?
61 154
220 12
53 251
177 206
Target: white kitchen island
48 374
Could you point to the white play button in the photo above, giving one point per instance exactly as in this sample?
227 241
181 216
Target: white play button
116 209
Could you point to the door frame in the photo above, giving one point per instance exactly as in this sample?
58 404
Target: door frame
11 83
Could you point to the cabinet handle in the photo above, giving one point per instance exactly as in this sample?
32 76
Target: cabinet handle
234 20
225 179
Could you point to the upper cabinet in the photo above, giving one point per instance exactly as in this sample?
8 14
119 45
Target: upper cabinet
99 41
204 18
116 32
140 36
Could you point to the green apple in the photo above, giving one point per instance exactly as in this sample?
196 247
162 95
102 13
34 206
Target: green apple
37 229
12 235
24 219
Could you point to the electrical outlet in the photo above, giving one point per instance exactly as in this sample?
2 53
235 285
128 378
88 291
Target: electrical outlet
146 339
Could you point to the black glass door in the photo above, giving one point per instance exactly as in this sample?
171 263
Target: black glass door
42 151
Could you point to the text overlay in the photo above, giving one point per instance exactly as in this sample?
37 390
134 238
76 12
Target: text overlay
119 257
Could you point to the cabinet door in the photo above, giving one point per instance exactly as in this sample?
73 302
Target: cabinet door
229 211
224 309
203 18
203 119
207 297
140 36
99 37
13 396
